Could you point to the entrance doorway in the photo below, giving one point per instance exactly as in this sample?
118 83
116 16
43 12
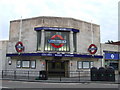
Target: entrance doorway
57 68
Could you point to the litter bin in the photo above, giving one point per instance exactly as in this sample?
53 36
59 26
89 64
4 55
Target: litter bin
43 75
101 74
110 74
94 74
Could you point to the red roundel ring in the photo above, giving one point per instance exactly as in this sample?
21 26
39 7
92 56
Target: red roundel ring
92 49
19 47
57 46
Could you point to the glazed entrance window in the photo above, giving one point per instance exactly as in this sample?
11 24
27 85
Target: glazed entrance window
57 41
38 40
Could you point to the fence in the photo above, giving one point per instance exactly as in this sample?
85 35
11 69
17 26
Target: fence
69 76
53 76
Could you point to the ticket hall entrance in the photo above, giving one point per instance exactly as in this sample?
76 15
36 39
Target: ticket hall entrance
57 68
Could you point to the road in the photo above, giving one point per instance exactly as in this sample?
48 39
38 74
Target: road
24 84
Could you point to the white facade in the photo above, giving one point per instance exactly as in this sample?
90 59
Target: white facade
3 51
79 59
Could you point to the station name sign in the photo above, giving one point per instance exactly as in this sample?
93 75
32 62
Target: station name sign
55 55
57 41
56 29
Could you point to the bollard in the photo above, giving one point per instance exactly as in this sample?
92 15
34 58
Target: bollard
60 76
79 75
28 75
14 74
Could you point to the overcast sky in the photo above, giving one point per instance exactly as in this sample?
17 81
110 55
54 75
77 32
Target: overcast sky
101 12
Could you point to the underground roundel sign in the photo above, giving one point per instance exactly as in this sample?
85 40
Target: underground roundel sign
57 43
92 49
19 47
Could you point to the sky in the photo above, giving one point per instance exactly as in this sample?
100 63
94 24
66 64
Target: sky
101 12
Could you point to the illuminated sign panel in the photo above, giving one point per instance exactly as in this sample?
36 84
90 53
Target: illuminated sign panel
53 42
114 56
57 41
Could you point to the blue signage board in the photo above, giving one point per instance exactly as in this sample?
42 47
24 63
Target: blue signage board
54 55
56 41
56 28
113 56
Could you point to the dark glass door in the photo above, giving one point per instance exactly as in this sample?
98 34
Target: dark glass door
56 68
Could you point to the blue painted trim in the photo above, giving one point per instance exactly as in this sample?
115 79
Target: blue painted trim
54 55
56 28
110 51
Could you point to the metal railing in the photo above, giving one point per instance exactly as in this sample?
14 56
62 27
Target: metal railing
68 76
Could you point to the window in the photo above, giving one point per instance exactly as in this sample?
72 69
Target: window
74 41
56 37
38 40
79 64
56 41
26 64
91 64
33 64
85 64
18 64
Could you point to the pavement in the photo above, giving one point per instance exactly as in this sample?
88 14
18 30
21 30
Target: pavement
66 80
63 80
25 84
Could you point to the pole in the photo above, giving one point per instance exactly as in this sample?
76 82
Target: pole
60 76
91 31
2 74
14 74
20 29
28 75
79 75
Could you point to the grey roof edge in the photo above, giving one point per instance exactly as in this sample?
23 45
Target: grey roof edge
31 18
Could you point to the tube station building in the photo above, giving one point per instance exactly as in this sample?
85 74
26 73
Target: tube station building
57 44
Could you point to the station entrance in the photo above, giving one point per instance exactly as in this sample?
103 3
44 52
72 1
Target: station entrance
57 68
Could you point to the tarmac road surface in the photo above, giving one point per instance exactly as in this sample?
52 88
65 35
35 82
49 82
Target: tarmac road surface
25 84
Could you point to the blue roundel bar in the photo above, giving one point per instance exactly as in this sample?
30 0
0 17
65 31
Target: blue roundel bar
56 29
